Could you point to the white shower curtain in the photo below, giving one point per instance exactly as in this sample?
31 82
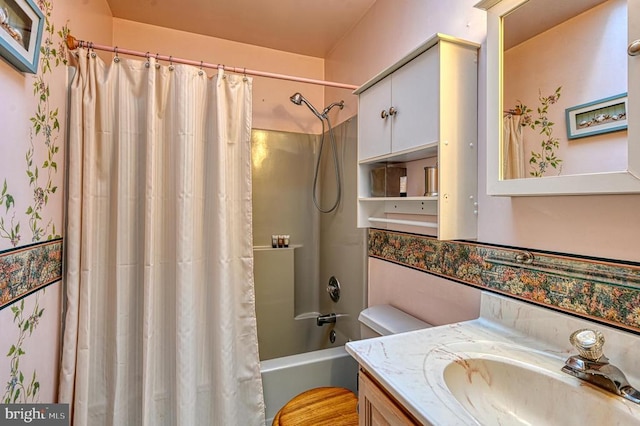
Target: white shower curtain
160 326
513 162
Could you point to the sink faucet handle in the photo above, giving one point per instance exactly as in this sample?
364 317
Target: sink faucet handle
589 343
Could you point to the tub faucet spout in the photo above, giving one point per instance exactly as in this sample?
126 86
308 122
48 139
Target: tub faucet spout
326 319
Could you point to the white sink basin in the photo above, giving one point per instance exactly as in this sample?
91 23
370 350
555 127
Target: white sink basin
502 391
502 369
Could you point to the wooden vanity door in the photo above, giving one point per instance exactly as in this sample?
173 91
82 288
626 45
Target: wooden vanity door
376 408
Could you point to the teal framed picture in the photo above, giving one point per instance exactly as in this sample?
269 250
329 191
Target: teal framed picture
21 24
594 118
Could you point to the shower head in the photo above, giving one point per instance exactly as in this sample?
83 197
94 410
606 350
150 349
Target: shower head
298 99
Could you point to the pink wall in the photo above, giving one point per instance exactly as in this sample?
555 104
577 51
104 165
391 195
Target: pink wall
91 18
603 226
432 299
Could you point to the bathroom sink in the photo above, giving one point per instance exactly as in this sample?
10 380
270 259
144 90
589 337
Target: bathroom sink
500 391
504 368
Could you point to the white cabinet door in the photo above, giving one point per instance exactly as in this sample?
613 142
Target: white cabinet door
416 97
374 132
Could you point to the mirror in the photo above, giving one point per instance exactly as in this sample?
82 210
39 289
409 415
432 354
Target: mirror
558 97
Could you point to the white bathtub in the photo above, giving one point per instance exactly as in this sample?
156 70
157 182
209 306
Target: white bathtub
283 378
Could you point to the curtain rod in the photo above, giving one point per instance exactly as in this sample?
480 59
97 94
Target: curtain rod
73 44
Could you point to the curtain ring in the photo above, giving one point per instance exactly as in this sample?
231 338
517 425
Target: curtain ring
244 74
117 58
157 63
147 64
93 54
200 72
171 67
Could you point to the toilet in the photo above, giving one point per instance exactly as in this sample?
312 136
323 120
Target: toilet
383 320
338 406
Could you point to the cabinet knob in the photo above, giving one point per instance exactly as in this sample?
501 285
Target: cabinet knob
393 111
634 48
384 114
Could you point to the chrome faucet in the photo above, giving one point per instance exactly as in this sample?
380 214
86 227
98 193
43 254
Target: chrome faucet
592 366
326 319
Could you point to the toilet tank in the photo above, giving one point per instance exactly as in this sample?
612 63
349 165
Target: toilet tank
383 320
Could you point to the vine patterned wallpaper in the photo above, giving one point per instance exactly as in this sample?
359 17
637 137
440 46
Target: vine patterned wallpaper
598 289
28 218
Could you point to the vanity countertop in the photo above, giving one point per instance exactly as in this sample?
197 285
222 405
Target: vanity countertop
410 365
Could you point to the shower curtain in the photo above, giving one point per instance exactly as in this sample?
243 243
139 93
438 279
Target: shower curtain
513 163
160 324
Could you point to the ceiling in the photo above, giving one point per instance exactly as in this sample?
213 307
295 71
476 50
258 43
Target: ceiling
535 17
307 27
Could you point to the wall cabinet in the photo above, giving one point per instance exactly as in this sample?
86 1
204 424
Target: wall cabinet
376 407
401 106
423 111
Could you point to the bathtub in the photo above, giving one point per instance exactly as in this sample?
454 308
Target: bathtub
285 377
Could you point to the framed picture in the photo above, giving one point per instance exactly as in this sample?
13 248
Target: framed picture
594 118
21 23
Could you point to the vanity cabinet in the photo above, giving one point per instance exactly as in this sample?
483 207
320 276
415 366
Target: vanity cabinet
422 111
377 407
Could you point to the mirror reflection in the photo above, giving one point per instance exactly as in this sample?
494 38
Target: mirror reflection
564 88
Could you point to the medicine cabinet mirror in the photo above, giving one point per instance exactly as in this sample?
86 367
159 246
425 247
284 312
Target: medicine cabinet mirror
559 96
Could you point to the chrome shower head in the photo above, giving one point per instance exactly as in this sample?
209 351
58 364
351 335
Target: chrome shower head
298 99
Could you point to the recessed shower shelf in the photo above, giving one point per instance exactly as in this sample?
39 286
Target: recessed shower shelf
291 246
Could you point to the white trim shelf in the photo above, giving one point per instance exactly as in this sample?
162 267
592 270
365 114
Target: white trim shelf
404 222
418 198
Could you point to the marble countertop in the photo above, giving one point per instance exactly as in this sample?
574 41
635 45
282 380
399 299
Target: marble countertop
411 365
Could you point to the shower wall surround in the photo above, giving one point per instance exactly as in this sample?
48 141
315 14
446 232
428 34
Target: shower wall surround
604 290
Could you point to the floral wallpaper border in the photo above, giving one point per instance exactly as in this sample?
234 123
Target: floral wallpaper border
29 268
598 289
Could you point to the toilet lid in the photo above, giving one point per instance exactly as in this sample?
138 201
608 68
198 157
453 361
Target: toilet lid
386 320
320 406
